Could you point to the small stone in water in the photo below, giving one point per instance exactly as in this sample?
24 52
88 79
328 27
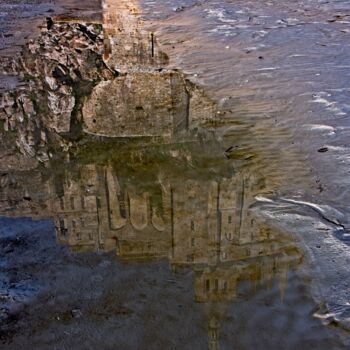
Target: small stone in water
76 313
179 9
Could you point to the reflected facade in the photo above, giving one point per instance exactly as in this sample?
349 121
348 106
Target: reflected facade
206 224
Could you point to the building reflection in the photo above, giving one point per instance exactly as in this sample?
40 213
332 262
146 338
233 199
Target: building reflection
205 225
196 221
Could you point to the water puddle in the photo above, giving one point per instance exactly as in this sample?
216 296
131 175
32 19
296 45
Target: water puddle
177 161
184 212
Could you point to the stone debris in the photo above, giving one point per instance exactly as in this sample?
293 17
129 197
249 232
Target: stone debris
56 71
76 313
78 79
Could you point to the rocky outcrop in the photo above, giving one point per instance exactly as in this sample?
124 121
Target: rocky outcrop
56 72
147 99
108 80
138 104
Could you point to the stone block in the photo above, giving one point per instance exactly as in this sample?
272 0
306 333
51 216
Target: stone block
138 104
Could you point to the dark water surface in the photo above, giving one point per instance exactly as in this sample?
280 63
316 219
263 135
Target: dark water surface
230 235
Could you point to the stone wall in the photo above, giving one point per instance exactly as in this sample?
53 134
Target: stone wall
128 47
137 104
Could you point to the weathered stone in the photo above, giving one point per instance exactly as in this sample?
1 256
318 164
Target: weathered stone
16 161
24 146
27 105
18 116
138 104
61 106
51 82
201 108
64 81
127 46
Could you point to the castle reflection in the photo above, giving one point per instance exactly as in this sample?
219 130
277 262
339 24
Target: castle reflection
206 225
193 218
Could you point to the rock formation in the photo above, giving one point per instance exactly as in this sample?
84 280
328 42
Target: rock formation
106 79
55 72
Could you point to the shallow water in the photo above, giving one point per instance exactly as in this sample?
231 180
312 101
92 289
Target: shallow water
281 71
232 233
179 242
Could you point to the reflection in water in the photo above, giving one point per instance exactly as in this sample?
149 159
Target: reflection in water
278 106
180 195
204 222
